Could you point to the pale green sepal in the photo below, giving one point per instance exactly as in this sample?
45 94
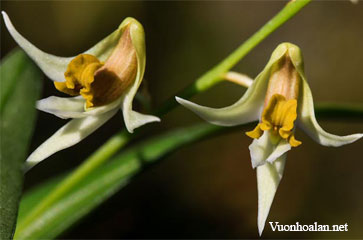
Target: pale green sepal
246 109
72 107
268 179
70 134
54 66
61 107
228 116
307 121
134 119
306 115
264 150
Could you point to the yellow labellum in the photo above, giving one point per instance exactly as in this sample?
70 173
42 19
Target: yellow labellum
278 117
100 83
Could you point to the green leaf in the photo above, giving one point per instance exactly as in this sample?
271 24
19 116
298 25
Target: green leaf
20 87
100 184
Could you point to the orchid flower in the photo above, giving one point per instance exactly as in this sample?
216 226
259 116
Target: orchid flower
280 98
101 80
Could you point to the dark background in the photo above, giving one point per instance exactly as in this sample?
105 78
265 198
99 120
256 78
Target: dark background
208 190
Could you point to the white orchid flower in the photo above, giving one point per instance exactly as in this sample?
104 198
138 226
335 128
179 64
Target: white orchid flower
277 97
102 80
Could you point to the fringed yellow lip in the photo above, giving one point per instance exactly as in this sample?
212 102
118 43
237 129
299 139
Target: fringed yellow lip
98 83
278 117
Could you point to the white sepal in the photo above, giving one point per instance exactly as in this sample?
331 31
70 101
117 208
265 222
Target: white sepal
54 66
72 107
70 134
307 121
268 179
134 119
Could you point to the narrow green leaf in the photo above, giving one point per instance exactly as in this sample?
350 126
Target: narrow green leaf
101 184
20 87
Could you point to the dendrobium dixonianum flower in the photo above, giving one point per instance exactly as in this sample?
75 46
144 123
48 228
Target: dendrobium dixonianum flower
280 98
101 80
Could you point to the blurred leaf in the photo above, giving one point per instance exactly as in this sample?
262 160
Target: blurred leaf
101 184
20 87
339 110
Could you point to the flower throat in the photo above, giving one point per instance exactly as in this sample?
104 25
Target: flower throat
279 113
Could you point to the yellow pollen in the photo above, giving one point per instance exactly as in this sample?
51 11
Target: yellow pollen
278 117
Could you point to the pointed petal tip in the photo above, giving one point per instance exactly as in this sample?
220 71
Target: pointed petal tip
358 136
68 135
8 24
139 120
183 102
188 104
260 228
130 130
348 139
6 18
30 162
268 179
179 100
308 123
27 166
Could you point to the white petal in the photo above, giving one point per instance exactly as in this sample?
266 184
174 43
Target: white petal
72 107
262 150
67 136
268 179
238 113
248 108
54 66
307 121
62 107
134 119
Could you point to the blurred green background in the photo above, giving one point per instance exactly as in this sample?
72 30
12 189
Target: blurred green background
208 190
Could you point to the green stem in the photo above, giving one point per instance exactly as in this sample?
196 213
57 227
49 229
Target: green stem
203 83
215 75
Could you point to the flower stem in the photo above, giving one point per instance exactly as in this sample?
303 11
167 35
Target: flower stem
206 81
